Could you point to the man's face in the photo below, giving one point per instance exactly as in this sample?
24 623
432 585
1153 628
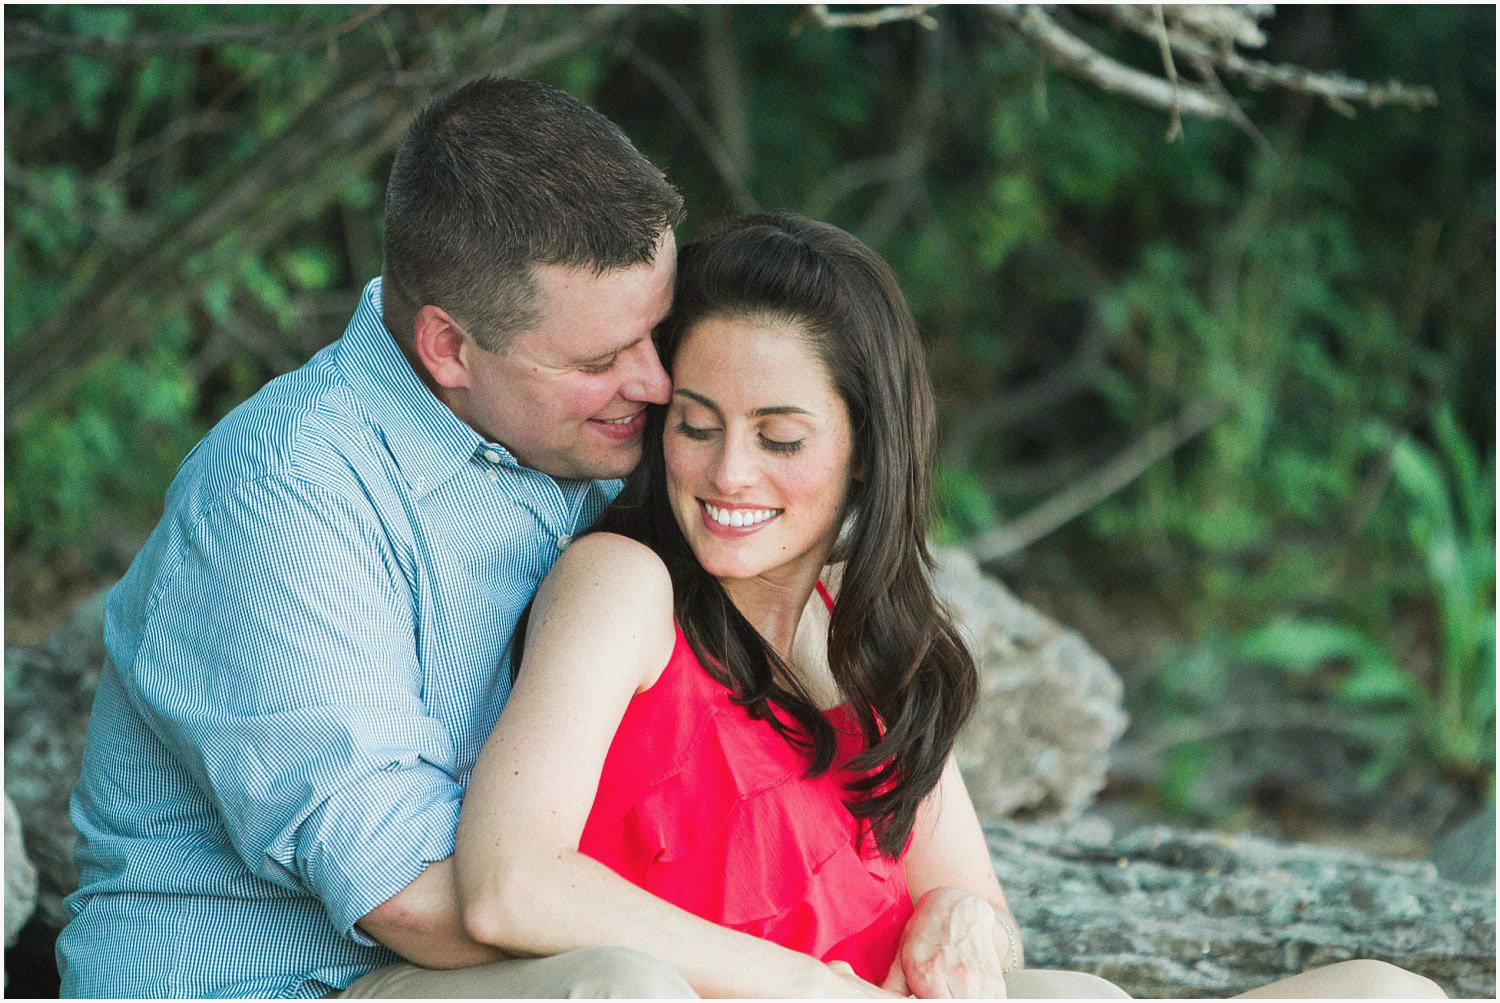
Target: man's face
568 396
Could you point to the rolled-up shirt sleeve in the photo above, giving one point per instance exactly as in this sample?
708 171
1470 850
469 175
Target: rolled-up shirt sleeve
280 663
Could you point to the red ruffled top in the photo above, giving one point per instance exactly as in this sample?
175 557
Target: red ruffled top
707 808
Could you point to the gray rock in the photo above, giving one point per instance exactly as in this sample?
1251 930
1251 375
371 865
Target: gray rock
49 691
1466 852
1171 913
1050 706
20 877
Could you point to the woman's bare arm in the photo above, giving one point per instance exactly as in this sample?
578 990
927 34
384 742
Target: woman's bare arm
962 935
601 631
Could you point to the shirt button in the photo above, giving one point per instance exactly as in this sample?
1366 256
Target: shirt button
563 541
492 456
420 484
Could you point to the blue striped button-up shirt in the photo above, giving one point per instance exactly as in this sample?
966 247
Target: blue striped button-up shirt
304 662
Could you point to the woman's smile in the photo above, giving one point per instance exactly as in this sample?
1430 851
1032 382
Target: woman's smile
735 520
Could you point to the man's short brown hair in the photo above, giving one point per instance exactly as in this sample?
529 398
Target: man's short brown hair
500 175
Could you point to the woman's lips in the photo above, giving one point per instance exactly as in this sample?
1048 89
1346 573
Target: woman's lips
721 519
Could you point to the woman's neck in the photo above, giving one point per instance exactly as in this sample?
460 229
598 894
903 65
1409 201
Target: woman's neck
793 618
773 608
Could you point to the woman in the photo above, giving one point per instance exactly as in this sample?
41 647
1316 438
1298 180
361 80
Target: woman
707 754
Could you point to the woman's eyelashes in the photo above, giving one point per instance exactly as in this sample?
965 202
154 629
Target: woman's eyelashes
700 434
781 445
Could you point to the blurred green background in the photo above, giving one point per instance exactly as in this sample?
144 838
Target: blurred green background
1297 587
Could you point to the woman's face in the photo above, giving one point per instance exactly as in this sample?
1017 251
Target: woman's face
758 451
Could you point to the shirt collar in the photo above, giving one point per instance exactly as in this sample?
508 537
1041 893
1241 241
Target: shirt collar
428 441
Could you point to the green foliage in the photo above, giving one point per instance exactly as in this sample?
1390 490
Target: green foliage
964 507
1447 508
1078 282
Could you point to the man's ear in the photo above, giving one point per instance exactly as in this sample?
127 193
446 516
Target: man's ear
442 347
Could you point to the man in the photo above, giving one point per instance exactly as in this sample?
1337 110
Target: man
312 647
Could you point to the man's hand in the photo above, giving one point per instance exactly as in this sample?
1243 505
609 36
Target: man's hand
951 949
846 985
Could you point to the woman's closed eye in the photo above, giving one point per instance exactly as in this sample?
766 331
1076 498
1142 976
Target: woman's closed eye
693 431
781 445
701 433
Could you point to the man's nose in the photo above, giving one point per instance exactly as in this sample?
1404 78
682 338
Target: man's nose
648 382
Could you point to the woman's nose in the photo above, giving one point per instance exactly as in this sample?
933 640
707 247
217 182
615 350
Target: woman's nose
734 469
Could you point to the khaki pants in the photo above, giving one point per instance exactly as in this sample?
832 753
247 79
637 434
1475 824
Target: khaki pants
588 973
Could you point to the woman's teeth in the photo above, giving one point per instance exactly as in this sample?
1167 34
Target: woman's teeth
739 516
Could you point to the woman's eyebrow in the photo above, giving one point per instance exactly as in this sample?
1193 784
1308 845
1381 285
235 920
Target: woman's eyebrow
760 412
697 397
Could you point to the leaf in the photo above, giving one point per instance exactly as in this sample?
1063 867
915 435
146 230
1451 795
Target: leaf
310 267
1378 680
1475 495
1302 646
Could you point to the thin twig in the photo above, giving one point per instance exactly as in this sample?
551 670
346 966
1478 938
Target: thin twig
1078 498
1150 746
724 163
1236 113
915 12
901 166
1174 129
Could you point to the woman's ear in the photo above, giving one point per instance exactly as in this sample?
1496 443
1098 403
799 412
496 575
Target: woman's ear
442 346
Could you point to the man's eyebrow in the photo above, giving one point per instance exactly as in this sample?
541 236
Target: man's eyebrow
760 412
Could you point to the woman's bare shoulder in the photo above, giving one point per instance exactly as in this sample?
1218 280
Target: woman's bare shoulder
612 552
615 564
609 587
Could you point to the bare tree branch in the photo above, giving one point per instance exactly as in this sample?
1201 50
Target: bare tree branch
915 12
1078 498
891 168
293 178
726 92
913 145
41 42
1174 130
728 168
1076 56
1009 407
1335 88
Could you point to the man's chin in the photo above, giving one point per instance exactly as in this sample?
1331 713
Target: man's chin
609 468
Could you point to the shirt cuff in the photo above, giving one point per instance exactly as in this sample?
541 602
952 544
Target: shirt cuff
376 861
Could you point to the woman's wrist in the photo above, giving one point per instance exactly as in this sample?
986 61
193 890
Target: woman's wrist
1011 954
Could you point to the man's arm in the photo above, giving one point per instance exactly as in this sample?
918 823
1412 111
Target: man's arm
422 923
278 661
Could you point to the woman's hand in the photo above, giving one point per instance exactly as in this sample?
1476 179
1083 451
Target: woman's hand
953 947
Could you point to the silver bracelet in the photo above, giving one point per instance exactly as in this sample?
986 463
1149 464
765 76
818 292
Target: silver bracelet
1015 955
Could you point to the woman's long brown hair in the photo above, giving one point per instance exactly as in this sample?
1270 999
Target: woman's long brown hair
891 647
